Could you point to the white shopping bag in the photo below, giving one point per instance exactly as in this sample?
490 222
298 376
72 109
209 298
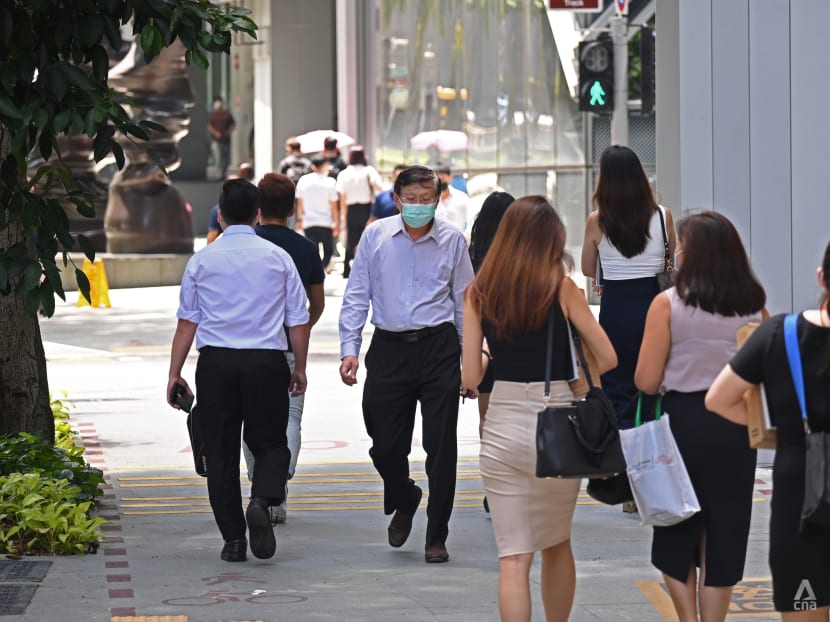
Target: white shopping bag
659 480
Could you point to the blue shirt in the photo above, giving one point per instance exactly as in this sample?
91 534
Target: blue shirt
240 290
409 284
213 221
384 205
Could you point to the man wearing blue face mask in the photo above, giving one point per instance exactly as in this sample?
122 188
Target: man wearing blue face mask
412 269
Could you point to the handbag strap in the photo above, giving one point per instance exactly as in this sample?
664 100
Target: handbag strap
668 266
577 339
549 352
794 358
658 409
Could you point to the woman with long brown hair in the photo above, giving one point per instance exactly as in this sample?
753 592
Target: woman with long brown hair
523 278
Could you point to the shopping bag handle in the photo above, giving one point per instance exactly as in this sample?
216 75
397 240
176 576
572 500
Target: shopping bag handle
658 409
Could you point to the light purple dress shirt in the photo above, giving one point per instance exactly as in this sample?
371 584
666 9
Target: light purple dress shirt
241 290
409 284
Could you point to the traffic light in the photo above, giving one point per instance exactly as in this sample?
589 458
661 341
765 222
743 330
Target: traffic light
596 75
646 70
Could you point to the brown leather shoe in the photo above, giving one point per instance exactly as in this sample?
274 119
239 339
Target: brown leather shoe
401 523
436 554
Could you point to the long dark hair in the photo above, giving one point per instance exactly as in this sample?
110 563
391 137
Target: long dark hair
624 199
485 225
513 299
714 273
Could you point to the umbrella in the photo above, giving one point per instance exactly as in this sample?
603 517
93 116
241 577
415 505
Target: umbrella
443 140
311 142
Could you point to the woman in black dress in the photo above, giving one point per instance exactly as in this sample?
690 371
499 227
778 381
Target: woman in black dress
800 562
690 335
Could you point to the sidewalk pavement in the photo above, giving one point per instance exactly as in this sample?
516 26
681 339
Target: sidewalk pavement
160 556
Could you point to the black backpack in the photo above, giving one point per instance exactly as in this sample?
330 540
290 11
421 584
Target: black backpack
295 167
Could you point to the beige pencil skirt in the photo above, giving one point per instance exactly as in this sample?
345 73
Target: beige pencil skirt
528 513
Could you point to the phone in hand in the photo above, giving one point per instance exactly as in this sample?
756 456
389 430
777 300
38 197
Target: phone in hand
181 398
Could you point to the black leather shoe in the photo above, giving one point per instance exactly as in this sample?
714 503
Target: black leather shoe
234 551
260 531
436 554
401 523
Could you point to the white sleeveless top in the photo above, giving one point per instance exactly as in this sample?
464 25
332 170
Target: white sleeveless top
702 343
617 267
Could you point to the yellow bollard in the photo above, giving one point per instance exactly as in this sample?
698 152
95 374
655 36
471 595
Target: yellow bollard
99 287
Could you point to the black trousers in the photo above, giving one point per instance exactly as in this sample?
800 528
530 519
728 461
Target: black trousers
398 376
356 219
236 387
324 236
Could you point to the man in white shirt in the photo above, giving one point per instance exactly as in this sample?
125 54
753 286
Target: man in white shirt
453 204
318 206
237 297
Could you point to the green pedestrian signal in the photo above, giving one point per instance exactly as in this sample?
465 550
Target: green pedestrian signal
596 75
597 94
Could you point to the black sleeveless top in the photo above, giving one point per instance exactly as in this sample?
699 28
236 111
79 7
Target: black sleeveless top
523 358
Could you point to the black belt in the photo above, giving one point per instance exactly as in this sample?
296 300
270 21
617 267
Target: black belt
411 336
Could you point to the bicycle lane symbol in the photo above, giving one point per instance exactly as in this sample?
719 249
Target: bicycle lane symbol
233 592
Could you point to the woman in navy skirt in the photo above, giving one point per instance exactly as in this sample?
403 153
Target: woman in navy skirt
624 239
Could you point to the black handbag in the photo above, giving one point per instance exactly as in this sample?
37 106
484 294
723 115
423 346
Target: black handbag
197 443
665 279
580 439
815 513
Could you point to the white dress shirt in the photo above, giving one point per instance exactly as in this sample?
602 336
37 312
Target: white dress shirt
454 208
409 284
241 290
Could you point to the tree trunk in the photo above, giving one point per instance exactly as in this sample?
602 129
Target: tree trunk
24 390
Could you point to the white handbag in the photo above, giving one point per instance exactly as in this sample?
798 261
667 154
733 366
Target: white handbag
659 480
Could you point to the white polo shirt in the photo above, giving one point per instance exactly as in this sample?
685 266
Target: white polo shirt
317 192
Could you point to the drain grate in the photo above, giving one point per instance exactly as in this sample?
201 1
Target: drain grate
14 599
17 571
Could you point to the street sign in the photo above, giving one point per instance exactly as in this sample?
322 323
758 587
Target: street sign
621 6
581 6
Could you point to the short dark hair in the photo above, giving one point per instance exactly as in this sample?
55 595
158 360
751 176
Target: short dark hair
330 143
399 167
714 274
246 171
442 168
318 160
357 156
293 144
276 195
238 202
417 175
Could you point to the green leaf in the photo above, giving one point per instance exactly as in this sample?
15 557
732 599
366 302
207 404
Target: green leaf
102 148
53 275
86 247
152 125
61 120
118 152
200 59
92 30
47 298
45 145
100 63
40 117
31 276
31 302
83 284
56 82
8 109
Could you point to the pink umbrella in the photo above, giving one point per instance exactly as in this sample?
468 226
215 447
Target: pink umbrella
443 140
311 142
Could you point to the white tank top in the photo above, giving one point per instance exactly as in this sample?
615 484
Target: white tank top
617 267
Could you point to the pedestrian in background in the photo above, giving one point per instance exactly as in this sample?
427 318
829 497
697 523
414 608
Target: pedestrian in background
689 337
454 203
357 185
318 207
384 205
800 560
276 204
625 233
412 270
481 237
332 154
220 126
510 304
237 295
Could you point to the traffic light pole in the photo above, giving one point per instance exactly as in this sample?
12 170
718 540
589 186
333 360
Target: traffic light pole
619 118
